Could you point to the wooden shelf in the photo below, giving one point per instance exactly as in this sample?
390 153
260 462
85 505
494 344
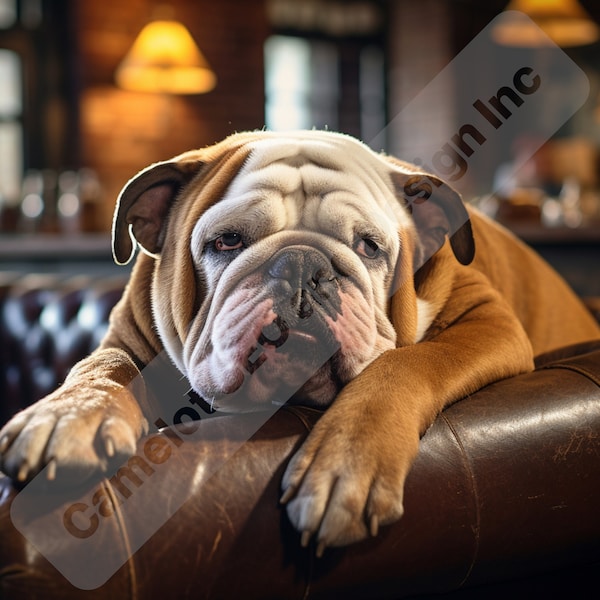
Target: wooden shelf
41 248
537 235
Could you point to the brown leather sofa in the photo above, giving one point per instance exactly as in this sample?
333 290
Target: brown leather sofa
503 501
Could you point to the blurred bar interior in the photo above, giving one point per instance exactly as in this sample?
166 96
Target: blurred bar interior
92 92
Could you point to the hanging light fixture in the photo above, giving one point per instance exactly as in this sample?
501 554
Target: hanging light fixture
565 22
165 59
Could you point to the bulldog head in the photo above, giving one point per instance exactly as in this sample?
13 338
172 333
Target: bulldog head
277 256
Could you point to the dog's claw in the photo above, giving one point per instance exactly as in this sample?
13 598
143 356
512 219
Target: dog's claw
23 472
288 494
305 539
51 472
321 549
4 443
374 525
109 447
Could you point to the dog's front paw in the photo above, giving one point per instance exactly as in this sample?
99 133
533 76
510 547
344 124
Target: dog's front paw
347 480
75 432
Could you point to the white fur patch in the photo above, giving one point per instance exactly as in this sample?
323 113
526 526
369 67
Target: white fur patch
425 316
316 164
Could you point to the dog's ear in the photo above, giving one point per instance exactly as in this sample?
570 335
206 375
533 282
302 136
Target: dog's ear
143 206
438 212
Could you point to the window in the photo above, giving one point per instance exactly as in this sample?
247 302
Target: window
37 92
8 13
302 83
325 68
11 127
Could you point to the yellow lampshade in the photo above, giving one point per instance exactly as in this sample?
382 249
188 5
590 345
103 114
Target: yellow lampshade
565 22
164 58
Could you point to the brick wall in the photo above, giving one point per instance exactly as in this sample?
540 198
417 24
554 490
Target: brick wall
122 131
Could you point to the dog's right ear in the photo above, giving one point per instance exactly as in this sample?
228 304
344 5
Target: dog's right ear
144 204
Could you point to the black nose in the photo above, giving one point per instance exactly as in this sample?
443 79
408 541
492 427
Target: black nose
300 267
309 275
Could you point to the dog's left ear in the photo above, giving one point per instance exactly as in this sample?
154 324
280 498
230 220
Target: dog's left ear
144 204
438 212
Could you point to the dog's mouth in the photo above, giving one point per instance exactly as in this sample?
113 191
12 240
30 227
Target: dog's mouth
290 363
307 343
305 289
290 344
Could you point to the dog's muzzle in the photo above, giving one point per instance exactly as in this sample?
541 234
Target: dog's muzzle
304 286
296 328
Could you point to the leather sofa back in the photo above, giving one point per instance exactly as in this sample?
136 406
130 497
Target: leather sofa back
47 324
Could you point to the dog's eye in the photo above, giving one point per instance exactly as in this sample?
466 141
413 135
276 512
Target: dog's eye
228 241
366 247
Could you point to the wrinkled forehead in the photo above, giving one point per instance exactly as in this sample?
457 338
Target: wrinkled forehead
321 159
309 174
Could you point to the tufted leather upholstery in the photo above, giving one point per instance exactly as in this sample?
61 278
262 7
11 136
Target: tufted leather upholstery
502 501
47 323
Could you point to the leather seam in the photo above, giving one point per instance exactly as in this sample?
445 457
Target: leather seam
591 375
473 480
120 520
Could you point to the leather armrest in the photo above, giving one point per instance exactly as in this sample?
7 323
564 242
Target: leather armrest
506 484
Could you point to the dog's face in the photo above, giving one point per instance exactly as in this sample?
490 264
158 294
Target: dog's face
297 261
277 257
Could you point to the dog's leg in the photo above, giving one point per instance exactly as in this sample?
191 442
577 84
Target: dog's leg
93 418
348 477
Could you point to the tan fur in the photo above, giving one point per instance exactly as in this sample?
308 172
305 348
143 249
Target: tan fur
489 320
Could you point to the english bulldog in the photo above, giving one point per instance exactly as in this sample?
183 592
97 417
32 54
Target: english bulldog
371 290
